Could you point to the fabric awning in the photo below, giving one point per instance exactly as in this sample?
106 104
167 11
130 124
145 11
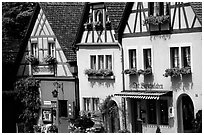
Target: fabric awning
144 94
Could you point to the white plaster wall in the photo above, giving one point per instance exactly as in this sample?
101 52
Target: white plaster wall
98 88
161 61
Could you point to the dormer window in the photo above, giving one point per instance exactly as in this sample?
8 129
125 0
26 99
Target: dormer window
159 8
159 18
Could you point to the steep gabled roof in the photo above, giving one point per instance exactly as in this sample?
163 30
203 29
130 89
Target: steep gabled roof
64 18
197 8
115 11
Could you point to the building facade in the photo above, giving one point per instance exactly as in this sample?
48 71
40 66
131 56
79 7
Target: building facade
162 43
99 64
48 57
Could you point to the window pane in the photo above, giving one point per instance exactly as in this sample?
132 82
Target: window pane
147 58
174 57
163 112
93 62
51 49
132 58
95 104
100 62
86 104
108 62
151 111
186 57
34 49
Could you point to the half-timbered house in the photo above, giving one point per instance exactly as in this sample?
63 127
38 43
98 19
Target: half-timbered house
99 60
162 65
47 55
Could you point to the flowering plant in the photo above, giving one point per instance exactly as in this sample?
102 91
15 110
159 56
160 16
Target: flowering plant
50 60
37 128
156 20
100 72
53 129
32 59
174 72
132 71
147 71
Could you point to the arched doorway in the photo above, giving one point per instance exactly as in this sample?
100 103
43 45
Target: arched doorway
185 113
113 117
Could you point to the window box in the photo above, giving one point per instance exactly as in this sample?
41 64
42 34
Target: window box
175 72
32 59
132 71
102 77
100 72
147 71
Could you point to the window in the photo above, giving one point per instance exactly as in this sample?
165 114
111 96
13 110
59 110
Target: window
132 58
159 8
186 57
152 118
34 49
95 104
62 108
174 54
51 49
99 15
163 112
108 62
100 62
87 104
93 62
147 58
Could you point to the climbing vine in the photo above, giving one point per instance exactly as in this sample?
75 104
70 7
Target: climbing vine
29 96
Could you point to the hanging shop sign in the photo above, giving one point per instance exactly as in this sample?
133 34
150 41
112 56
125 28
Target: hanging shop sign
146 86
43 70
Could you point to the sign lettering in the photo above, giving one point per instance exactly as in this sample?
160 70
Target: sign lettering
150 86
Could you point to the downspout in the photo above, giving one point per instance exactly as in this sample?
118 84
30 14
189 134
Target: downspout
123 82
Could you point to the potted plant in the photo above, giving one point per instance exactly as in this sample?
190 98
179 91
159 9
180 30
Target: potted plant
100 72
50 60
53 129
90 72
32 59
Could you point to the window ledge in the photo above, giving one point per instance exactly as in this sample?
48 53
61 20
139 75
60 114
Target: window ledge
101 77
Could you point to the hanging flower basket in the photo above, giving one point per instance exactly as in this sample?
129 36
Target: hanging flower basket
100 72
32 59
50 60
156 20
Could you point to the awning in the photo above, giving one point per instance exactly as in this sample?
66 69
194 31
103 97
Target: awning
144 94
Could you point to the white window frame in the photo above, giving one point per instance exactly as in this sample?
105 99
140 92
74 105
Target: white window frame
152 58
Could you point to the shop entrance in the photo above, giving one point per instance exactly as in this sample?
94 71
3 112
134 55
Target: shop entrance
185 113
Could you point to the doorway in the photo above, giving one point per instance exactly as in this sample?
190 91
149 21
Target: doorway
185 114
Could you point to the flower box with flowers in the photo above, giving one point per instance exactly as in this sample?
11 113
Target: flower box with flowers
50 60
99 74
52 129
155 21
134 71
176 72
32 59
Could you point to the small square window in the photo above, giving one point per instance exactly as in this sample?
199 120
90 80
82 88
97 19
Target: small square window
132 58
186 56
174 54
